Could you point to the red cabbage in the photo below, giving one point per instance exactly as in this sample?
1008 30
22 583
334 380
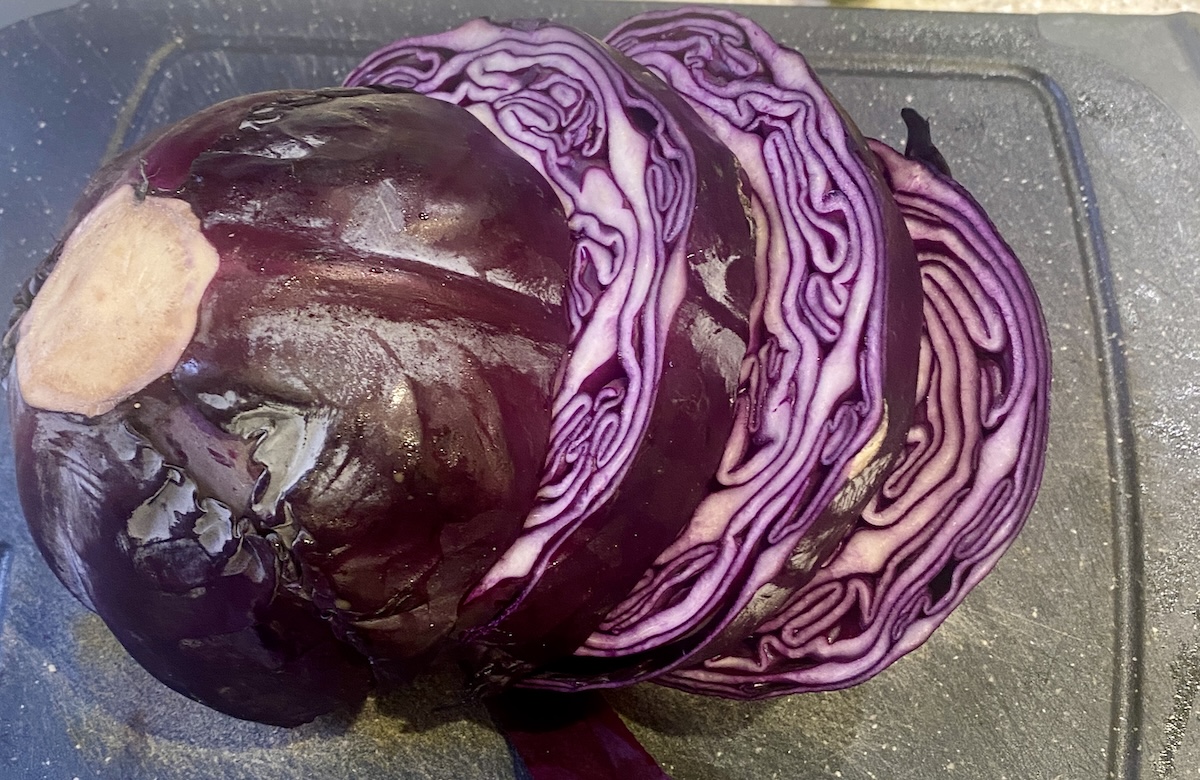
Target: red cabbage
566 363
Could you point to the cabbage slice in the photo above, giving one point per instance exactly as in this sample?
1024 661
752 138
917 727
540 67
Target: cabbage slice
971 469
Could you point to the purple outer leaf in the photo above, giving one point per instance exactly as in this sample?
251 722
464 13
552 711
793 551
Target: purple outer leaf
574 736
967 482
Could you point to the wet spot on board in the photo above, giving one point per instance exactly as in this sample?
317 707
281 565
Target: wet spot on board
5 567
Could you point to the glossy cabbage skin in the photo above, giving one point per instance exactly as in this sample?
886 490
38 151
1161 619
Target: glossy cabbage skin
355 428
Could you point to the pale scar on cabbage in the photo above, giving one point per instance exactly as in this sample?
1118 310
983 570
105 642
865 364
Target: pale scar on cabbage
120 306
863 469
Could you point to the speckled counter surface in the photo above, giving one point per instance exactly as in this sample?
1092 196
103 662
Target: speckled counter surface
1152 7
1031 6
1078 658
13 10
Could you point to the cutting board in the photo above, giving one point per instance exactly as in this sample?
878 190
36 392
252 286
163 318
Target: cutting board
1078 658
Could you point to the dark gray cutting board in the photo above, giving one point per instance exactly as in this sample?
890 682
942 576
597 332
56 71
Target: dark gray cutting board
1078 658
